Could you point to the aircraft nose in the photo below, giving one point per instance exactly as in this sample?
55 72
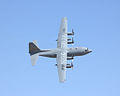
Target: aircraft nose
89 50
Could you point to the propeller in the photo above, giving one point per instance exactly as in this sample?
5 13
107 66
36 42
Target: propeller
72 46
73 42
73 32
72 64
72 37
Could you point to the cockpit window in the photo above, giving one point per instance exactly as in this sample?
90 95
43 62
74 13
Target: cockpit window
86 49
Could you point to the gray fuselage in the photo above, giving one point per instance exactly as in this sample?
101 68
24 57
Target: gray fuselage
71 52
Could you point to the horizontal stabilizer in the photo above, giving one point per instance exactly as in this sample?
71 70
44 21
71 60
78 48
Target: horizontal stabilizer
34 59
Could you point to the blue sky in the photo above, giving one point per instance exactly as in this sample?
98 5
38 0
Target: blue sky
97 26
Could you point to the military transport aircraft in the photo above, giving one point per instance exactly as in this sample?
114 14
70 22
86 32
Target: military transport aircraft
62 53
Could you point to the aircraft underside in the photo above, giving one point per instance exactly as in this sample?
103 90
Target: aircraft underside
68 55
62 53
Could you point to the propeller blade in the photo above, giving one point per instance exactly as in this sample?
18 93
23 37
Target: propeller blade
73 31
72 40
72 59
72 63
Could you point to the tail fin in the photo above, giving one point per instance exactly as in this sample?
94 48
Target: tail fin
33 50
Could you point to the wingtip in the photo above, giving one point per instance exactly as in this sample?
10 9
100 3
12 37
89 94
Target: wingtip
65 18
61 81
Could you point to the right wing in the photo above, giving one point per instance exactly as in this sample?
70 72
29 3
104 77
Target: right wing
61 64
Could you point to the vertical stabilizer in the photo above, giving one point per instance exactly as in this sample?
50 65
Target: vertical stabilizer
35 42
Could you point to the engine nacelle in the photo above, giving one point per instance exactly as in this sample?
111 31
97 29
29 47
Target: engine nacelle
71 33
69 39
70 42
69 66
70 58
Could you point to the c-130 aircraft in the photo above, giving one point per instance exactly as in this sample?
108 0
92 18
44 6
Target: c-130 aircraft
62 53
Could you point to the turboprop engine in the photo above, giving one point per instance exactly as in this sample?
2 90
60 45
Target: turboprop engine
70 58
70 42
69 65
71 33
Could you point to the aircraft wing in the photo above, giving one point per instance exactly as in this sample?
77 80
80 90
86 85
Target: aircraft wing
62 50
62 35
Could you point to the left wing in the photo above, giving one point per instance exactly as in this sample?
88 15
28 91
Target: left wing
62 35
62 50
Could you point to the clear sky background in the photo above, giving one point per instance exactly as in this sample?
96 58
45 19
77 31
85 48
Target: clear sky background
97 26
